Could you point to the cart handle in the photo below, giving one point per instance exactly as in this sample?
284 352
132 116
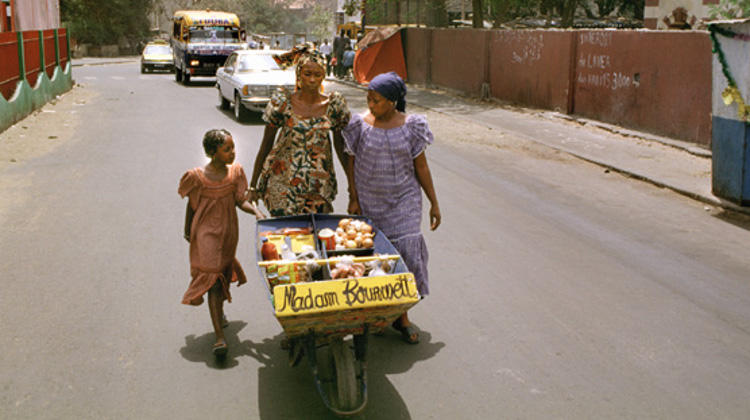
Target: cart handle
329 260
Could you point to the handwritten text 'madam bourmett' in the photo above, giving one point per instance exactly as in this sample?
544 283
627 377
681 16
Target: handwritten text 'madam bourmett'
352 294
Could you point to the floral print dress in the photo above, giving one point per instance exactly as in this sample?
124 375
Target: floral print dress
298 175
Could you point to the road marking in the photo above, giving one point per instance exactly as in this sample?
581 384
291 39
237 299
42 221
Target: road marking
90 77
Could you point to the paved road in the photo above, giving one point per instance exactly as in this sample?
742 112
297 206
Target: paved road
559 290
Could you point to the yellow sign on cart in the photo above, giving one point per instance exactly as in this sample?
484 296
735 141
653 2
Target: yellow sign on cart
345 294
345 306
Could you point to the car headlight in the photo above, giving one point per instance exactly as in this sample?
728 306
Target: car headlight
249 90
195 62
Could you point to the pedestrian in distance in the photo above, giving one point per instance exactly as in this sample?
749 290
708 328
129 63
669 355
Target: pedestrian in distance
214 192
388 166
348 62
326 49
294 173
339 43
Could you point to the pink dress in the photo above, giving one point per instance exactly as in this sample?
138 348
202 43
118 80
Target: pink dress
214 231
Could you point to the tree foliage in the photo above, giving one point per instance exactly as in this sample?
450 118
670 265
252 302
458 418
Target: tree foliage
730 9
319 22
106 22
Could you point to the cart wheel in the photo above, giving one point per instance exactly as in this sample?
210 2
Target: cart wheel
346 375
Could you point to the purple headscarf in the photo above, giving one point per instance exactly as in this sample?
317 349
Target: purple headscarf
392 87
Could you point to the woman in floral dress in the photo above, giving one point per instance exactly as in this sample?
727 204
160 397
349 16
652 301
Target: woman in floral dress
294 173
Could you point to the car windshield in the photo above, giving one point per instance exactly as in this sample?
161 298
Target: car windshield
158 49
259 62
213 33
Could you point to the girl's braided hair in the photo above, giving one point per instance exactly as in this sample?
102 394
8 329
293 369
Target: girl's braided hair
213 139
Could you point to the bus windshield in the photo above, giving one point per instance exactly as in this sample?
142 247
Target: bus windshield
213 33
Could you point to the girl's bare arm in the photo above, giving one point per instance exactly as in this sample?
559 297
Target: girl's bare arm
252 208
188 221
425 180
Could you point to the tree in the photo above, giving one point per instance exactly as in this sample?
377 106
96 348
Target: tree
437 13
730 9
263 16
319 21
477 14
107 22
605 7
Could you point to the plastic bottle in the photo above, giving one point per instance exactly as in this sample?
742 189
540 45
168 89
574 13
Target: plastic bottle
287 253
268 250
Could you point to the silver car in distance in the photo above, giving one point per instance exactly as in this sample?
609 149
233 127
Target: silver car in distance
249 78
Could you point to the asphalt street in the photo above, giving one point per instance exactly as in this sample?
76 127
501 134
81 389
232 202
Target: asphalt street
559 289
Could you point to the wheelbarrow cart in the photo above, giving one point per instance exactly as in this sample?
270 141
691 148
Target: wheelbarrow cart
320 305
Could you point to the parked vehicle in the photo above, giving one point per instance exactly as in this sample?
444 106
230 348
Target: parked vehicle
249 78
156 55
202 40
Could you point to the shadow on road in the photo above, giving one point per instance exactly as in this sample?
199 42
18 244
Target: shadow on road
286 392
198 83
737 219
198 349
254 118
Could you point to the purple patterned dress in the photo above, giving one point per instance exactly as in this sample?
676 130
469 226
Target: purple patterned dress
387 185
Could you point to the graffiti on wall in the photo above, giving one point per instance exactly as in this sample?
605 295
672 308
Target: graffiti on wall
595 69
527 47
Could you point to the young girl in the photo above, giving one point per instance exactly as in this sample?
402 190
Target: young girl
211 227
387 168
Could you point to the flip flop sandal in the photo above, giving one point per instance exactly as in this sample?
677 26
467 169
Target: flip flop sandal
408 334
220 349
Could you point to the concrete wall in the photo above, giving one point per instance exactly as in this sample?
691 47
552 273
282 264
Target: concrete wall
417 45
532 68
460 59
654 81
657 81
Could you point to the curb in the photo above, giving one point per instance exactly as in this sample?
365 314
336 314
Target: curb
104 61
691 148
684 146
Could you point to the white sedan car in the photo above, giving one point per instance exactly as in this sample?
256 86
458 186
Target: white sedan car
249 78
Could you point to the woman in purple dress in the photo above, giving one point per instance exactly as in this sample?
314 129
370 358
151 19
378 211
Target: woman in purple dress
388 165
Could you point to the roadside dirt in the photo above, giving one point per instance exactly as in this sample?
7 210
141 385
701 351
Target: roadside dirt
463 131
45 129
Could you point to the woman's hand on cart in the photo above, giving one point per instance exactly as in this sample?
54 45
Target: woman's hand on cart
353 207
